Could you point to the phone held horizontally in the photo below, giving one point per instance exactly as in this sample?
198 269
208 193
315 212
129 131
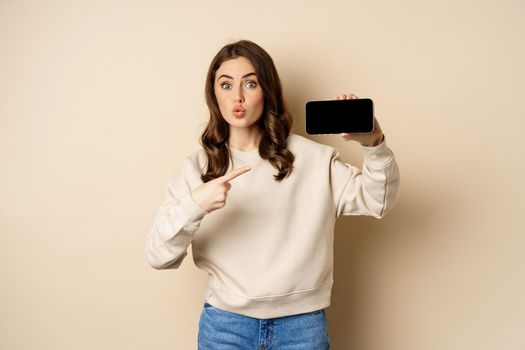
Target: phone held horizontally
340 116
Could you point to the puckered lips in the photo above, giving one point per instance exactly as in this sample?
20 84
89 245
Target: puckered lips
238 111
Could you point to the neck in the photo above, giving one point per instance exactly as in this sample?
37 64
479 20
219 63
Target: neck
244 139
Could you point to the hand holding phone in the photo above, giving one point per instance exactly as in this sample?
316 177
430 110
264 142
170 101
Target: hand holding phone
368 136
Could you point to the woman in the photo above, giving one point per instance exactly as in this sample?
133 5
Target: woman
258 205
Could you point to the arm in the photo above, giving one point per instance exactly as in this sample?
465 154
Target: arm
173 229
368 191
177 221
372 190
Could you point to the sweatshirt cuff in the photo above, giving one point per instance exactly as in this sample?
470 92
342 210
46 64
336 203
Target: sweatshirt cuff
189 211
377 157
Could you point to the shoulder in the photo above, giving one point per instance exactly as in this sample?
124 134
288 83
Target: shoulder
299 145
196 161
189 172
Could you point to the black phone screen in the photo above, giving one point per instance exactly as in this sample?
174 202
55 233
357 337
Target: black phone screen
338 116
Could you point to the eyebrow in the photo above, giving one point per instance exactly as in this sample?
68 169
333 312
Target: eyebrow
244 76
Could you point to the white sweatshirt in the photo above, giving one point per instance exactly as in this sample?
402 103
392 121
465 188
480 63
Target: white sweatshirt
269 251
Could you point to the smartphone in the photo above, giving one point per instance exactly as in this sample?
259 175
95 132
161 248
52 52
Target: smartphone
338 116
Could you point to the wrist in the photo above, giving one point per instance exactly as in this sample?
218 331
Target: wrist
376 141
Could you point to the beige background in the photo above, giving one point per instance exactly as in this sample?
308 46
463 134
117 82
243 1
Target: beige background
101 100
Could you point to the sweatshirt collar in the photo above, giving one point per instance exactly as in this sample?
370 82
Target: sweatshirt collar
244 154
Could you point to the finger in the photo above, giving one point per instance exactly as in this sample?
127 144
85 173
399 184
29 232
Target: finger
234 173
376 125
351 137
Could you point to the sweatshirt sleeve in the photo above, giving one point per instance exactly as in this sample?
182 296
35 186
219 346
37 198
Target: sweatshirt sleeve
371 190
174 226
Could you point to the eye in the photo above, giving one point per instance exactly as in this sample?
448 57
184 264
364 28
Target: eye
251 84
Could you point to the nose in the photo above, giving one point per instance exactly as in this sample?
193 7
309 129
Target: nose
238 96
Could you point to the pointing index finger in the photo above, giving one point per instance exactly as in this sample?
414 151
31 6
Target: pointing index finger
234 173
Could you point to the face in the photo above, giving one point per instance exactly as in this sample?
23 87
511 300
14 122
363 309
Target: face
238 93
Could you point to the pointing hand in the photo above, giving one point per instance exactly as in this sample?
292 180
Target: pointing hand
212 195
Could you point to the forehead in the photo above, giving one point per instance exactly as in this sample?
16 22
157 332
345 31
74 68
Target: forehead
235 67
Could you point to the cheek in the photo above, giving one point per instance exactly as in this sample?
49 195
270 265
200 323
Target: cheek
220 100
259 100
218 96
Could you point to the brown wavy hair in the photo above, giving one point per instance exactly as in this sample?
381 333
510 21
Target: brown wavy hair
275 122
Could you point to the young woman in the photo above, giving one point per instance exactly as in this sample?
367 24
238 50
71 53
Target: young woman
258 205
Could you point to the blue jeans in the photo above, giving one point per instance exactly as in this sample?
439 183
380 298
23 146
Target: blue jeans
224 330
